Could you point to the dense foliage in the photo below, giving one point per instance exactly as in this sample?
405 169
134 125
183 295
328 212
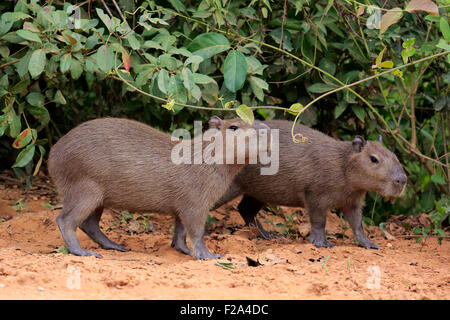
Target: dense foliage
63 63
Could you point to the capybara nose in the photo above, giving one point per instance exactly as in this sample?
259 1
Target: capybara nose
400 180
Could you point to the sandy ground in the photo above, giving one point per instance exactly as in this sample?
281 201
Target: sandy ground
286 268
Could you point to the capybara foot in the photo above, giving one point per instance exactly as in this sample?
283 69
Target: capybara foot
115 246
181 247
368 244
267 235
321 242
207 256
85 253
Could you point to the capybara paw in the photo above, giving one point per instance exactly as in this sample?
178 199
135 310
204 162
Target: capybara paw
116 247
183 249
369 245
86 253
206 255
268 235
321 243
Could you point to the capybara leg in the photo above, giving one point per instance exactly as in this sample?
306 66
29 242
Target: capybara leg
91 227
318 220
249 208
179 238
75 211
194 223
353 215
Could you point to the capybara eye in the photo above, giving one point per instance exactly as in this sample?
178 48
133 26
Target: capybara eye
373 159
233 128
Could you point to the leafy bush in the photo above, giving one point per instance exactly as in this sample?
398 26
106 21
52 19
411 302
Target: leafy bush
373 69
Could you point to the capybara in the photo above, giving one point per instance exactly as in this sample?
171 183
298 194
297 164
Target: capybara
320 174
127 165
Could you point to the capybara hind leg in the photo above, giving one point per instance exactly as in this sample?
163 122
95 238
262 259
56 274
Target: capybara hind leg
194 224
91 227
249 208
179 237
75 211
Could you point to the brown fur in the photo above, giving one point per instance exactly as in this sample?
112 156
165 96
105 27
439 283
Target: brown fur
319 175
126 165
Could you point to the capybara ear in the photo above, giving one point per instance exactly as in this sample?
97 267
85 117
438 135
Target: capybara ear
358 143
215 122
380 138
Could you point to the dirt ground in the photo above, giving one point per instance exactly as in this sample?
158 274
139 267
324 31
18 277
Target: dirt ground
286 268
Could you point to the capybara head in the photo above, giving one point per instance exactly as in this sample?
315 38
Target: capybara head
241 137
373 167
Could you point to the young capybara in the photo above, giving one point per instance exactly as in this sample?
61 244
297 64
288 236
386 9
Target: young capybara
127 165
319 175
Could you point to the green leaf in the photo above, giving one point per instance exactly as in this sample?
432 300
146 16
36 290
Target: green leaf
76 69
163 80
328 66
92 41
295 108
340 108
105 58
14 124
235 70
202 79
194 60
245 113
437 178
63 250
258 85
109 23
59 98
22 66
23 139
24 157
4 82
209 44
20 87
359 111
188 79
134 43
445 28
36 99
65 62
388 64
178 91
229 104
225 264
3 124
30 26
41 113
37 63
254 66
28 35
408 49
320 88
178 5
380 57
276 35
14 16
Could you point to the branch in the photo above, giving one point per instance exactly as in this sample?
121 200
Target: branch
9 63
